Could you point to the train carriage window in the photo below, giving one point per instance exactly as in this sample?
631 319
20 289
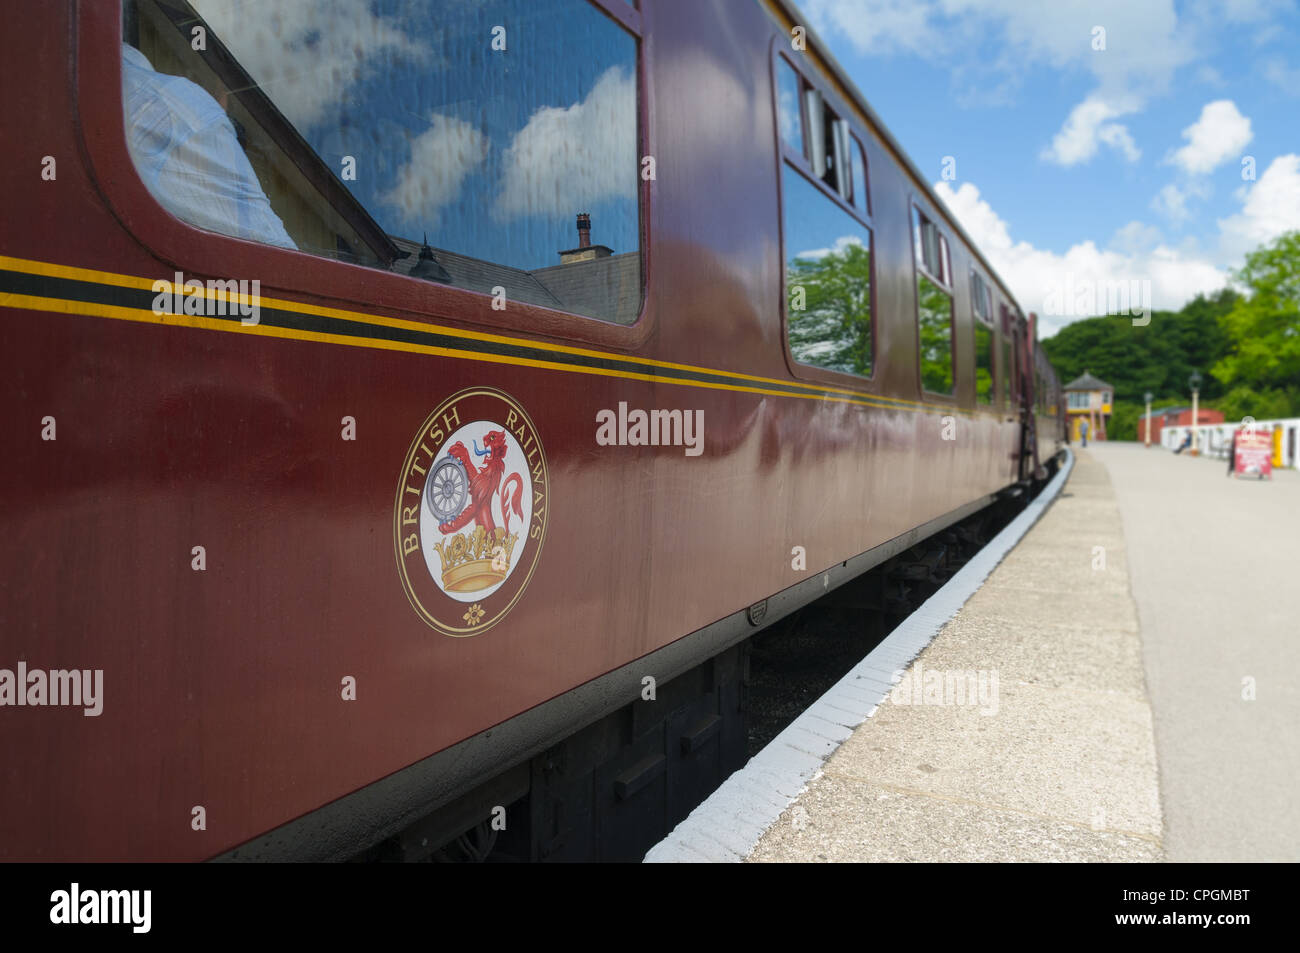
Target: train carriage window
861 197
426 138
982 304
788 101
828 281
1008 371
829 144
825 232
983 363
934 310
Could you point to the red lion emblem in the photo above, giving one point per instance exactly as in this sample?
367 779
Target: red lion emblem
484 484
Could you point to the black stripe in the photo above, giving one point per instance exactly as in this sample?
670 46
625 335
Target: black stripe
72 289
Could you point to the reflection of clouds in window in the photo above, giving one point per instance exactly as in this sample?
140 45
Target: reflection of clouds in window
410 122
789 112
788 109
566 159
787 102
841 244
815 353
441 158
307 54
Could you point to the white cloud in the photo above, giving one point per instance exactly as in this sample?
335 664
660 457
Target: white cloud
1247 11
306 54
1135 237
1118 138
1087 128
1036 275
1282 76
877 25
1145 41
841 243
1171 201
1217 136
1267 35
1270 207
566 159
1209 76
441 157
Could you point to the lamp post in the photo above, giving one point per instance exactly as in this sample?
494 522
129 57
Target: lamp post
1147 397
1195 382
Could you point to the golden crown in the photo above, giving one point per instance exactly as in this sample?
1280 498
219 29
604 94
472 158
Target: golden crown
474 561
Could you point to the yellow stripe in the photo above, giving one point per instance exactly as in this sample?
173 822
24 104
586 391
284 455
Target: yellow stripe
35 303
76 274
131 281
70 306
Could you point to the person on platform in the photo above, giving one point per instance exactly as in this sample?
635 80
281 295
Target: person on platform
1187 442
1083 431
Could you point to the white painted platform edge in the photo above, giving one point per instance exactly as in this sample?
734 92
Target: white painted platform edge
726 827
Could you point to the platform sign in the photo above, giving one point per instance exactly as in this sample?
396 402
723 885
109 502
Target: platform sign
1254 453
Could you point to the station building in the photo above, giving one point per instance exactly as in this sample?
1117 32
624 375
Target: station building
1175 417
1088 399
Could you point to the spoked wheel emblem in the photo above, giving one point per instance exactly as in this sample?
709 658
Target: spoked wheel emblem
446 489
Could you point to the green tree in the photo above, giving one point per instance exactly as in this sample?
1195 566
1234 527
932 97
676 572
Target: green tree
833 330
983 363
1124 421
1262 362
1158 357
934 315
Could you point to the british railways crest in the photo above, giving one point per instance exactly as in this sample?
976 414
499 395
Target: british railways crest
470 515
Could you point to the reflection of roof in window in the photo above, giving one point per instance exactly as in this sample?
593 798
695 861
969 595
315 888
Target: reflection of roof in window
608 288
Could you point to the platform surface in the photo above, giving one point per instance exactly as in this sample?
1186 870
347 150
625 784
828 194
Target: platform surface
1215 565
1061 768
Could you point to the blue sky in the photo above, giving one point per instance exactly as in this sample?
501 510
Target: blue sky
1121 163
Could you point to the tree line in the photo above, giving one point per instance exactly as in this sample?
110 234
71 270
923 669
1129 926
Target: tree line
1244 340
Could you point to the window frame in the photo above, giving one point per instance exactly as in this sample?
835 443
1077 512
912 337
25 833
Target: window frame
916 206
986 286
799 105
800 160
302 275
859 134
1011 320
859 151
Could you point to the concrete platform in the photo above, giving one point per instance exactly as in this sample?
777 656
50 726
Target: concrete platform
1056 760
1062 768
1215 565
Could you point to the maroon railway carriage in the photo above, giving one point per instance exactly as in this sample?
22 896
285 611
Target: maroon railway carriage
344 523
